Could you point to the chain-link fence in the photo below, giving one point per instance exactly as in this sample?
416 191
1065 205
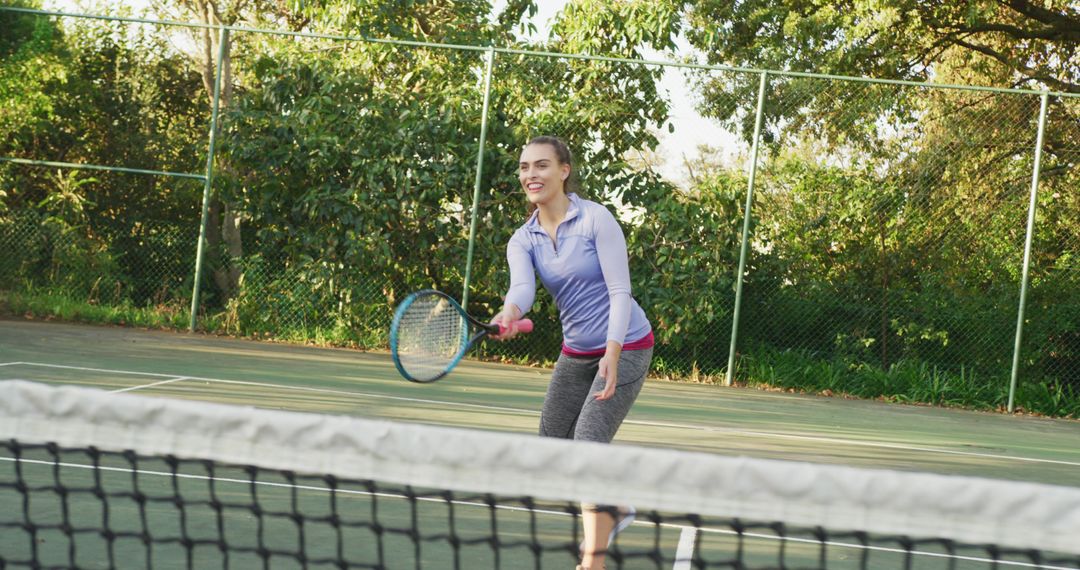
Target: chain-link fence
1051 348
894 238
887 228
146 264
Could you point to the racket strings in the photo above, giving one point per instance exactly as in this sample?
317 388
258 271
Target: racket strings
431 335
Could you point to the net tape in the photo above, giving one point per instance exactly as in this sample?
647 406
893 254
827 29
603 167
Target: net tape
965 509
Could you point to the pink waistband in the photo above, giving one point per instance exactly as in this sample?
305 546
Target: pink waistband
642 343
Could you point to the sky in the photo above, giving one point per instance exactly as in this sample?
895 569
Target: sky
690 129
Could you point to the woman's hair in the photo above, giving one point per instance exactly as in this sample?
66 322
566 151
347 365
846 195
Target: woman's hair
562 152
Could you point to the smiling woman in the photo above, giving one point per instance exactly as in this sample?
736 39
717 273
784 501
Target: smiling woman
579 251
545 172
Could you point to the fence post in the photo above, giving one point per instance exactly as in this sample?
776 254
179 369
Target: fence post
489 64
729 374
223 39
1044 99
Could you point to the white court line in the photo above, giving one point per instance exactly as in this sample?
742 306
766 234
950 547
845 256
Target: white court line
711 429
857 442
296 388
685 553
133 388
687 535
10 363
84 369
172 377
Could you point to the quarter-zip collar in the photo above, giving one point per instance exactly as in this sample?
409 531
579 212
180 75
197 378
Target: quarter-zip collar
533 225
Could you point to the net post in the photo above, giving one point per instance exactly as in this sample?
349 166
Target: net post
1032 202
762 86
223 41
489 64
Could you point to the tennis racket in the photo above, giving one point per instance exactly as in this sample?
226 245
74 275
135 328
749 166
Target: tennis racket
431 333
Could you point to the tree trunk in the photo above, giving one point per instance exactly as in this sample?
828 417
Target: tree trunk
224 228
224 218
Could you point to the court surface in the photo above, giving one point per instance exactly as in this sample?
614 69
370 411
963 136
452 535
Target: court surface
732 421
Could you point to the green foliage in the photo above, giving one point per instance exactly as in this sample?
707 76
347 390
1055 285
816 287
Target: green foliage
908 382
32 55
685 252
102 93
909 249
462 22
44 304
350 178
896 39
1049 398
79 259
354 165
858 271
621 29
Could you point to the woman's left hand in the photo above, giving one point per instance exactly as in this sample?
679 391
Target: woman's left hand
608 370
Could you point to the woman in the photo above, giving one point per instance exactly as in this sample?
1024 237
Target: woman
579 251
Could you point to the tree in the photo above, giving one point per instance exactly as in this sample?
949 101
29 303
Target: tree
223 228
354 161
98 93
1002 43
447 22
955 160
1037 41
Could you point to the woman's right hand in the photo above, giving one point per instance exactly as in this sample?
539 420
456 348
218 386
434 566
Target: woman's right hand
506 319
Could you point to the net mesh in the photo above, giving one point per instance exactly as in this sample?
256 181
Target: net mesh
430 334
104 480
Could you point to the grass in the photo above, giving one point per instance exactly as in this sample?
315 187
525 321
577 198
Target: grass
61 306
905 382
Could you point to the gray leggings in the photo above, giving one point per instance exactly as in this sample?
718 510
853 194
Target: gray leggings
570 410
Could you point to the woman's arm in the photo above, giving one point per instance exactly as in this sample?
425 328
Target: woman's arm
522 291
615 265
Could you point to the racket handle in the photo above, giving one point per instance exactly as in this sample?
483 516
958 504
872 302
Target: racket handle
523 326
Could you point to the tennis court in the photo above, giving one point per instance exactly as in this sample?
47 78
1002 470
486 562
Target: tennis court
484 396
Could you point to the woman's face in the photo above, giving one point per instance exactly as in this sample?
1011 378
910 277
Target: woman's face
541 174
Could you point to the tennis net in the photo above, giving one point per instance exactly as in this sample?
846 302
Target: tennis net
90 479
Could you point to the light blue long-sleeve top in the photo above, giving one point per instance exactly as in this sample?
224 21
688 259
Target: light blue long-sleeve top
587 272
